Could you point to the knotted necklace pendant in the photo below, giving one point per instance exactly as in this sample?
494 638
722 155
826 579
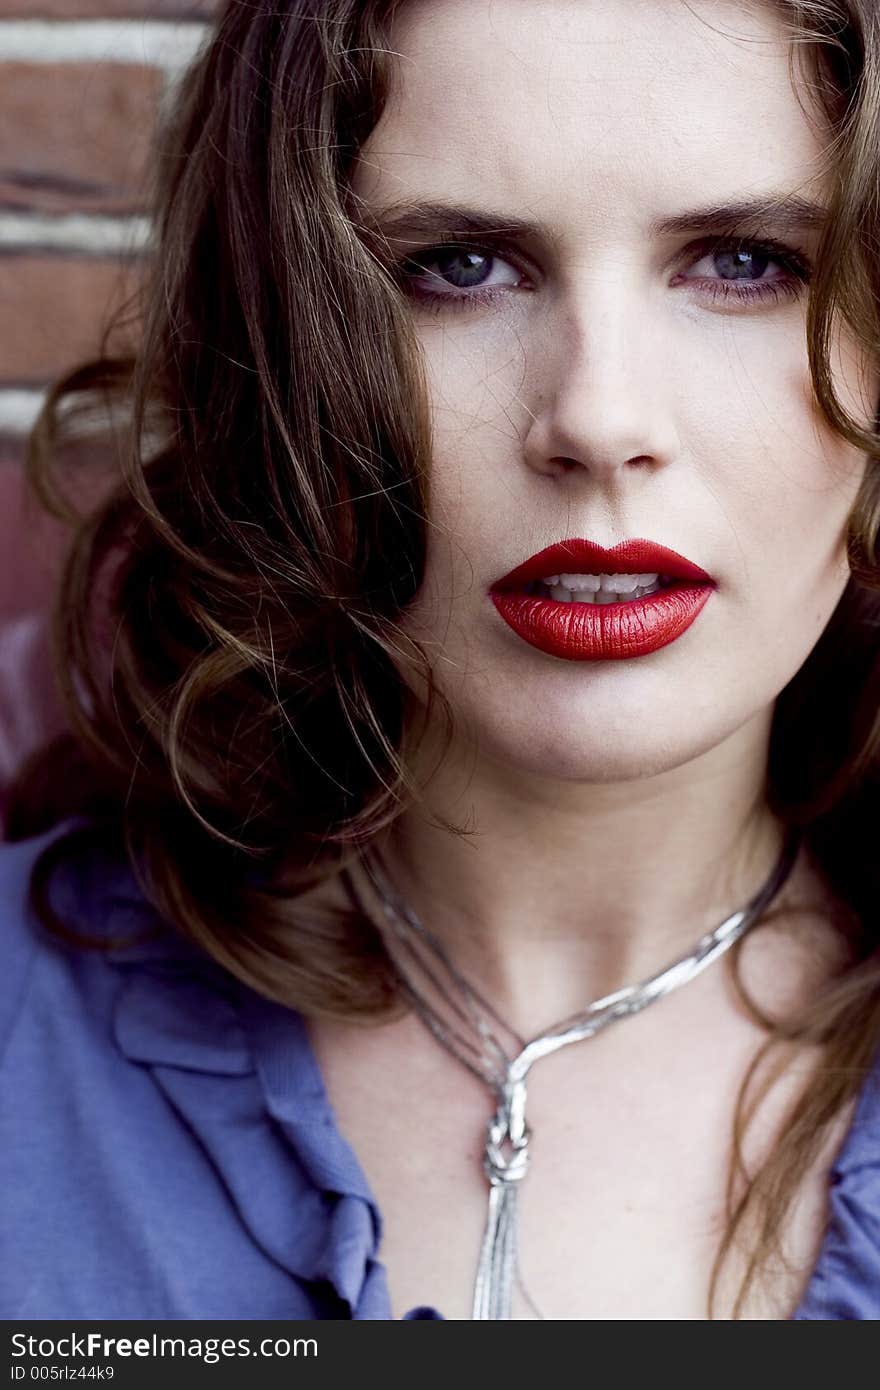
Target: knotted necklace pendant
505 1163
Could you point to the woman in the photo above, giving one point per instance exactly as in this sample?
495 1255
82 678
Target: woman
493 628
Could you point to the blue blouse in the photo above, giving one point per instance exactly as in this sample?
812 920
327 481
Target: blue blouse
168 1150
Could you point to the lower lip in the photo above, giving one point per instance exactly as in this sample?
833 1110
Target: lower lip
603 631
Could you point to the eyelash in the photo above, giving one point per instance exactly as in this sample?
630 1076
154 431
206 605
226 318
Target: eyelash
771 291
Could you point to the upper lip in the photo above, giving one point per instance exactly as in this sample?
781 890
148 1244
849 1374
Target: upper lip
578 556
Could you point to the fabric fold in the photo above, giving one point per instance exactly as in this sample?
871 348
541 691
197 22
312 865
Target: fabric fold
238 1071
303 1207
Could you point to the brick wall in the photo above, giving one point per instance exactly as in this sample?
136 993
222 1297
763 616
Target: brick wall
81 84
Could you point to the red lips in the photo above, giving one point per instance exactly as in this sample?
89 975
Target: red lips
586 557
584 631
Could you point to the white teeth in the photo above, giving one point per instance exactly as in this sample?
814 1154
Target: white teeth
620 583
582 583
592 583
563 594
600 588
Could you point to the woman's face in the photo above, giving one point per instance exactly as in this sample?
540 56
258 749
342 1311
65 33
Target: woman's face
600 376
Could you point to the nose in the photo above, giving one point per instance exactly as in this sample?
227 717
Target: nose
601 396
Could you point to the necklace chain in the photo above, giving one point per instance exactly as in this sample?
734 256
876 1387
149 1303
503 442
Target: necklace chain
467 1025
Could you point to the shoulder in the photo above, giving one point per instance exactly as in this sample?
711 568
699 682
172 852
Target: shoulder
61 994
104 917
75 999
20 930
133 1117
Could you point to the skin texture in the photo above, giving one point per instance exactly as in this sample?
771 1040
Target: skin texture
617 808
618 805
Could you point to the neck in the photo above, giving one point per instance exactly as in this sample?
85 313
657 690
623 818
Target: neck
564 891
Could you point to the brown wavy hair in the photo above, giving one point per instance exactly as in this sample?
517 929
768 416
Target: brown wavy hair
225 631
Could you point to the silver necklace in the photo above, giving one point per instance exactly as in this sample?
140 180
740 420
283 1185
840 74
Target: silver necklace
469 1027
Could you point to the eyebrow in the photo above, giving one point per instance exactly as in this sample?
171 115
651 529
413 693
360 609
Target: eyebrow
788 212
782 212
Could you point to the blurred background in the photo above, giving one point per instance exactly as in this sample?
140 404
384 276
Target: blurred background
82 85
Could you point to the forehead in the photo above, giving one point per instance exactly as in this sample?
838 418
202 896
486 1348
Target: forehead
620 109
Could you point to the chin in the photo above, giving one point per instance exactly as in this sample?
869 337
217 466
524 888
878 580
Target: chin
606 756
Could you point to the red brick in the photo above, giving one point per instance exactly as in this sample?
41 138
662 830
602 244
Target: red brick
76 135
53 309
32 545
108 9
33 548
31 540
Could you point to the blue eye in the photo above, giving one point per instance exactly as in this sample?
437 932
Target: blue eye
741 259
469 267
743 263
466 270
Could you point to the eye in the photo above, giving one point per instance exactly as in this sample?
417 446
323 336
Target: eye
459 275
745 270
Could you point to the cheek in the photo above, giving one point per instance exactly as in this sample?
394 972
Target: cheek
782 481
475 428
833 469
